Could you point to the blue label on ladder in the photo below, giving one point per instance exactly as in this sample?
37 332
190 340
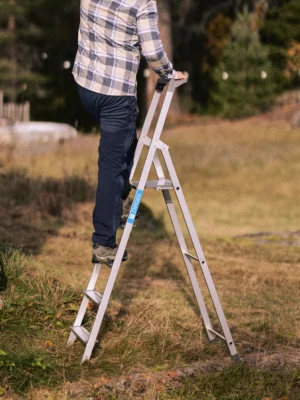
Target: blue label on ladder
135 206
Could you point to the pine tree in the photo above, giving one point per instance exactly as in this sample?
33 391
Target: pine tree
243 78
15 56
281 32
36 38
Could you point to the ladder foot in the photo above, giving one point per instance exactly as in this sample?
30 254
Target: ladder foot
236 358
72 339
85 360
87 355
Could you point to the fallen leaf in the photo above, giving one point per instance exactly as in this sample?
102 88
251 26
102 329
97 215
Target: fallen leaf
48 344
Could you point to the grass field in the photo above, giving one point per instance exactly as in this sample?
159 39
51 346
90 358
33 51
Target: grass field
241 182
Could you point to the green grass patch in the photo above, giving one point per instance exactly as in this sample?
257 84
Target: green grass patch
35 310
239 383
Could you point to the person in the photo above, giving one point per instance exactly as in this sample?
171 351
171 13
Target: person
112 34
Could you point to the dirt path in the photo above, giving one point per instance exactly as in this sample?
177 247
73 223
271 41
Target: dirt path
138 383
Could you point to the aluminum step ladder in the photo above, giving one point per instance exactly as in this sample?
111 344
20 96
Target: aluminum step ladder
155 145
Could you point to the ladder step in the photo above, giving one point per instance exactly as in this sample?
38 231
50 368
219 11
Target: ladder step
82 334
191 256
94 296
159 185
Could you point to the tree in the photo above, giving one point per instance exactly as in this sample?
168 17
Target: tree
55 48
243 78
199 28
37 52
281 32
293 62
15 65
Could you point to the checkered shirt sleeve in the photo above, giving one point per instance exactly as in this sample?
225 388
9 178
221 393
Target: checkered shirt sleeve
150 41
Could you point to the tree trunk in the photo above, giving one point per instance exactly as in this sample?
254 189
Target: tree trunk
260 8
165 28
11 26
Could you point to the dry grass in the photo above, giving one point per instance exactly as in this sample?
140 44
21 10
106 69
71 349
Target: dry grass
240 179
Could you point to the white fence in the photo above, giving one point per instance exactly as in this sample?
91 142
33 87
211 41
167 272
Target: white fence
14 112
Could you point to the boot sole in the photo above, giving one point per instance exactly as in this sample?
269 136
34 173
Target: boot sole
107 261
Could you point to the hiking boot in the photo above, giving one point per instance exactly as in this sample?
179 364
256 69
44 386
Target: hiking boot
127 203
106 255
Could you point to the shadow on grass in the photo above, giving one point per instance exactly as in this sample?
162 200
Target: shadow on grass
183 283
34 330
32 209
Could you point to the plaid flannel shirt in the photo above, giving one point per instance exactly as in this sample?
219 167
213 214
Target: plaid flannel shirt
112 34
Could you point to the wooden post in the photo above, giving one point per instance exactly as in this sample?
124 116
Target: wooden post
12 49
1 104
13 111
26 114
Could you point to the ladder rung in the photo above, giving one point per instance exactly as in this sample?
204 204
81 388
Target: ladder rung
191 256
94 296
216 333
159 185
82 334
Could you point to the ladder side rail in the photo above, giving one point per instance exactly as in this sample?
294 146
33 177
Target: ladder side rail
172 85
163 114
158 167
200 254
156 138
189 265
117 262
94 277
159 88
151 113
128 228
85 302
103 306
79 319
145 131
183 247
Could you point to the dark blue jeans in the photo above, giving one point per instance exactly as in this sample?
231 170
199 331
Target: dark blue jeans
117 117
